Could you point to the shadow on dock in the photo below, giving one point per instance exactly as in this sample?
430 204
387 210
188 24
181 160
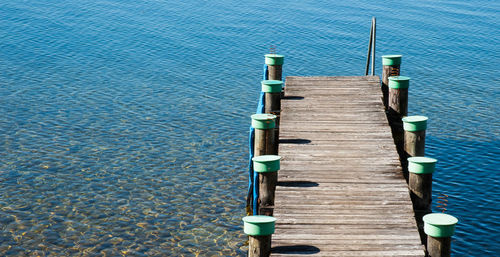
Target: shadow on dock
296 249
293 97
298 184
298 141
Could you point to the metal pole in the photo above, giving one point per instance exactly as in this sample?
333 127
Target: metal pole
369 51
374 28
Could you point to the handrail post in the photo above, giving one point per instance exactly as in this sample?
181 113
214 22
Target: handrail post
369 50
374 21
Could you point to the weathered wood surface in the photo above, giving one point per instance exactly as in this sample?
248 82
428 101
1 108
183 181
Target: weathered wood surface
340 189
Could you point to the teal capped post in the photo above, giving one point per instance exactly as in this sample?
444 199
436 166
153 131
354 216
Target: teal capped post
266 163
259 225
391 60
272 103
421 165
263 121
274 59
267 167
415 123
399 82
391 66
439 228
274 64
414 135
398 108
259 229
265 140
420 186
272 86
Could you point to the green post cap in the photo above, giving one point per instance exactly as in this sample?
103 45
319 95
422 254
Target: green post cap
266 163
274 59
439 225
399 82
421 165
415 123
390 60
258 225
263 121
272 86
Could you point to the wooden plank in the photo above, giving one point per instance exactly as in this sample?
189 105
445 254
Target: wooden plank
340 189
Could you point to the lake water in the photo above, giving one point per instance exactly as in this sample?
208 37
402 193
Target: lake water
123 124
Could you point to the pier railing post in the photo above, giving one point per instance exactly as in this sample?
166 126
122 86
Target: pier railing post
439 228
272 95
398 108
265 141
274 64
259 229
390 67
267 166
420 186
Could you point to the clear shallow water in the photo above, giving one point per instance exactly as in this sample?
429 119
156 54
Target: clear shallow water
124 123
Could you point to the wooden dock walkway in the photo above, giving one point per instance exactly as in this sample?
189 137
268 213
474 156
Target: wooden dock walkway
341 191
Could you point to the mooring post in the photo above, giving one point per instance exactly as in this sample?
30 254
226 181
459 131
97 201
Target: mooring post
390 67
439 228
267 166
274 64
420 186
265 141
398 108
272 91
414 139
398 96
259 229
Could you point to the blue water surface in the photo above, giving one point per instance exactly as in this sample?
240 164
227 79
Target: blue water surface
123 124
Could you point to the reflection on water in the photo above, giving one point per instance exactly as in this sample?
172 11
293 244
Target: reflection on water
123 124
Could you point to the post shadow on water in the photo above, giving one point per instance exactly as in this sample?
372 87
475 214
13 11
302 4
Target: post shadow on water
296 249
298 183
299 141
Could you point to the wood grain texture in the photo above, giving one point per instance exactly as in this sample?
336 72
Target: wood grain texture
388 71
259 246
439 247
275 72
340 191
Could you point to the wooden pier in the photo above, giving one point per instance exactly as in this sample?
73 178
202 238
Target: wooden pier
341 191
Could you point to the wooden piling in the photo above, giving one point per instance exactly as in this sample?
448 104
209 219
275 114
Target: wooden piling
391 66
439 246
265 140
259 229
259 246
414 135
420 186
275 66
439 228
267 167
397 109
398 96
272 95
